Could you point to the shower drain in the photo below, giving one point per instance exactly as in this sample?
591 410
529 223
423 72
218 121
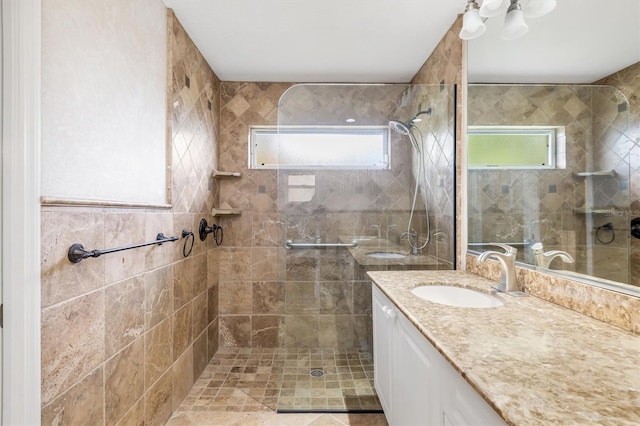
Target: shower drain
316 372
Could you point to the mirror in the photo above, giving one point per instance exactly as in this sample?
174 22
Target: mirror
575 218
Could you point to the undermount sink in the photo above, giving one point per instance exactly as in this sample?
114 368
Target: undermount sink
456 296
386 255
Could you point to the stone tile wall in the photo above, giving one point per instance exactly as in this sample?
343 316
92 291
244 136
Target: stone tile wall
249 288
542 205
446 67
612 307
125 335
628 82
270 297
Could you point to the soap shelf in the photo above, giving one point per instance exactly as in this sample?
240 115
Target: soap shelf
218 174
595 210
225 212
610 173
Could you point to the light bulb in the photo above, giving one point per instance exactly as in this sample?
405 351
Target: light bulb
472 25
491 8
514 23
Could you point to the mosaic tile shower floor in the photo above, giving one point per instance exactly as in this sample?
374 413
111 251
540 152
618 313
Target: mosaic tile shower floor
267 382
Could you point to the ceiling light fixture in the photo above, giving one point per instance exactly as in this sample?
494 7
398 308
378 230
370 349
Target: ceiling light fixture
472 24
491 8
514 22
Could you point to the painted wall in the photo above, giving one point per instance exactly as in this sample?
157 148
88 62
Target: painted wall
125 335
104 77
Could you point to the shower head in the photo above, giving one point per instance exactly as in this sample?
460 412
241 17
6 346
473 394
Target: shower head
399 127
404 129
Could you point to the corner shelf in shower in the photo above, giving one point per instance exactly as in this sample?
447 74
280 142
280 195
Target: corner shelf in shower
595 210
218 174
606 173
226 212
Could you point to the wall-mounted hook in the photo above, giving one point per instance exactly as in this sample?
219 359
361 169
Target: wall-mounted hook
186 234
635 227
608 227
214 229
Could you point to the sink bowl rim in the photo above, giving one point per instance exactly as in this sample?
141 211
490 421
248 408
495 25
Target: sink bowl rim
487 299
386 255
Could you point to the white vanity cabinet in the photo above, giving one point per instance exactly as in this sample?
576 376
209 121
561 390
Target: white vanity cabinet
415 384
404 365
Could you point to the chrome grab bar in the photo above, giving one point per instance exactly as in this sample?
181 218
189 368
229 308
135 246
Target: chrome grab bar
291 245
525 243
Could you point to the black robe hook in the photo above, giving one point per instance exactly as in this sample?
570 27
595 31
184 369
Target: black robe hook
214 229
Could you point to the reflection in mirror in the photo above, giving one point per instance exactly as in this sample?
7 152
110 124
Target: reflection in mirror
573 217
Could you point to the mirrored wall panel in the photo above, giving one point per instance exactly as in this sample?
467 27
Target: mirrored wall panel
551 177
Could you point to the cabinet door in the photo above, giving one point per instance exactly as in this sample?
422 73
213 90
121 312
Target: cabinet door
382 346
417 394
415 384
462 405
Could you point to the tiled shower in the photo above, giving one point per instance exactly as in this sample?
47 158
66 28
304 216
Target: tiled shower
126 338
310 302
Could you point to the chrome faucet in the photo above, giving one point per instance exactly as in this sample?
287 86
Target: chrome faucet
439 236
378 229
389 227
412 237
544 259
508 283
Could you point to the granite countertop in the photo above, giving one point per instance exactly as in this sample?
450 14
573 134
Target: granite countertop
533 361
371 244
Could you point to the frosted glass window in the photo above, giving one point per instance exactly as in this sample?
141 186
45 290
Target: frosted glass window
515 147
322 147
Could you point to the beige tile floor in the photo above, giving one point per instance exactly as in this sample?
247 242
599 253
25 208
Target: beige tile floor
242 387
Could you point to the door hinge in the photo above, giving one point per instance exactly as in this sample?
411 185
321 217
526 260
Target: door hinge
2 315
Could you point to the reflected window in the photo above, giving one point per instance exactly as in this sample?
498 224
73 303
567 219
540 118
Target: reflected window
302 188
511 147
319 147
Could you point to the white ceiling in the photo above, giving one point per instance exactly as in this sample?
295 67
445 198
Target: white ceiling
580 41
388 40
316 40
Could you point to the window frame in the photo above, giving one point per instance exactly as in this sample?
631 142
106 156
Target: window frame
383 131
556 145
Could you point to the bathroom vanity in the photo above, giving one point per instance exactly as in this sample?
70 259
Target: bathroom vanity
374 254
415 384
527 361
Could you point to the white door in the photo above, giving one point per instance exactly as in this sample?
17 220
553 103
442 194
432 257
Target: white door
20 211
1 212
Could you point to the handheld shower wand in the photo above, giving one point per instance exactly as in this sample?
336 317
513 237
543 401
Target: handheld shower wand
405 130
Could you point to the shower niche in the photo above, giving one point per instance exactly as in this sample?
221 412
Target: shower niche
225 209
